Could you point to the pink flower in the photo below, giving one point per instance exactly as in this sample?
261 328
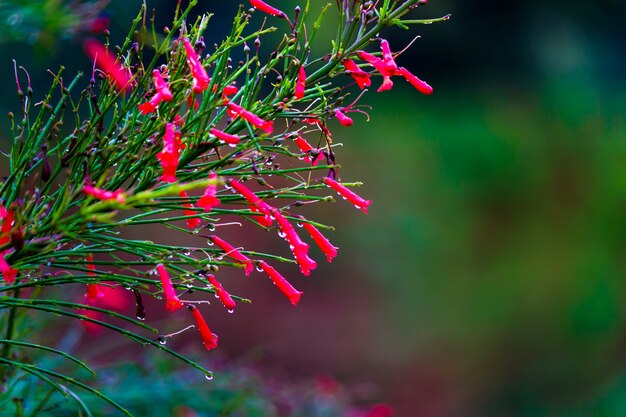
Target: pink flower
266 8
320 240
224 137
298 247
306 147
300 84
163 93
388 60
420 85
233 253
172 302
209 200
221 293
260 205
93 290
170 154
8 273
348 194
283 285
265 125
192 222
107 62
209 339
200 78
265 220
361 77
343 118
376 62
101 194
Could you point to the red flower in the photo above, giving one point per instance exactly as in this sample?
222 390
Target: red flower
93 290
265 220
386 69
221 293
388 60
306 147
192 222
233 253
254 200
200 78
298 247
300 83
283 285
8 273
172 302
361 77
209 200
320 240
348 194
265 125
163 93
101 194
343 118
107 62
170 153
7 223
420 85
229 90
266 8
209 340
224 137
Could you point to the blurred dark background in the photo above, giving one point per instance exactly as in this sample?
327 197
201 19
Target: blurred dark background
489 278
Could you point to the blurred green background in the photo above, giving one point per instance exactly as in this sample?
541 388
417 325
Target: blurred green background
489 278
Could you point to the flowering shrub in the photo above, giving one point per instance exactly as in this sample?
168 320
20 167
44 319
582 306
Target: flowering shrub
185 140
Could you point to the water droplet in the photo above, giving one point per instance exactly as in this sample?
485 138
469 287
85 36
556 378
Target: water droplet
299 224
162 340
142 318
230 311
217 295
209 377
209 242
187 253
282 234
210 227
258 268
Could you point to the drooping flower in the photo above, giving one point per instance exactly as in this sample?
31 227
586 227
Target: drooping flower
104 195
8 273
361 77
224 137
172 302
93 290
306 147
264 220
283 285
348 194
233 253
420 85
299 248
163 93
388 60
209 339
266 8
170 153
209 199
343 118
320 240
201 79
384 68
192 222
253 200
8 217
222 294
265 125
300 83
107 62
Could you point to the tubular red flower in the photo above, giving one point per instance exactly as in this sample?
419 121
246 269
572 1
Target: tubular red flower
376 62
300 83
306 147
266 8
222 294
200 78
209 339
343 118
192 222
420 85
388 60
265 125
209 200
107 62
163 93
348 194
93 290
7 223
264 220
298 247
8 273
386 85
224 137
283 285
244 191
101 194
233 253
361 77
172 302
320 240
170 153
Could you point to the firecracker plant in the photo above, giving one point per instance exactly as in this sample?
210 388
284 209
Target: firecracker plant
173 131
